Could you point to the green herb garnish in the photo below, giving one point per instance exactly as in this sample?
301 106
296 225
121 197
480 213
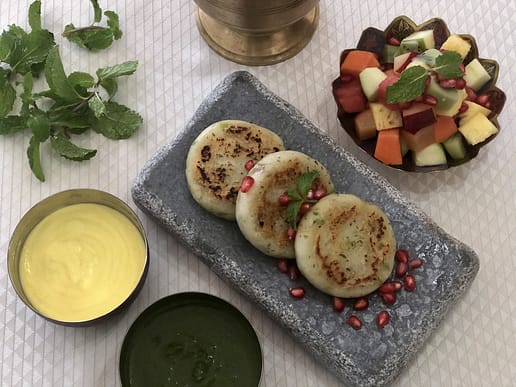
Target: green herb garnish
95 36
70 105
412 81
297 195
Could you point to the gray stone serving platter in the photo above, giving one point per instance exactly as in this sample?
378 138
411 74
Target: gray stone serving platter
367 357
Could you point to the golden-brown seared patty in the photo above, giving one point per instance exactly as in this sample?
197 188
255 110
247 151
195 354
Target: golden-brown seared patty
345 246
215 164
261 218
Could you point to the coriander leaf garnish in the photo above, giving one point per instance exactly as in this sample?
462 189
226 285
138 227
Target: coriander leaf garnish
298 194
94 36
73 103
412 80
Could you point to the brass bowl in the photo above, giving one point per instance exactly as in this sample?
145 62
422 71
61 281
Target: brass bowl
254 32
373 39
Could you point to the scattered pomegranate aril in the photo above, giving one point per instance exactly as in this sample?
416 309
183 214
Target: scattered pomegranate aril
388 287
460 83
291 233
354 322
293 272
463 108
447 83
346 78
401 269
470 94
409 282
482 99
338 304
415 263
248 165
393 41
388 298
284 200
247 183
405 105
462 67
319 193
310 194
401 255
305 207
361 304
429 100
398 285
297 292
283 265
382 319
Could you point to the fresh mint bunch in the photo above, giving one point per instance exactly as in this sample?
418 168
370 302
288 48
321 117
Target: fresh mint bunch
412 82
95 36
72 104
297 195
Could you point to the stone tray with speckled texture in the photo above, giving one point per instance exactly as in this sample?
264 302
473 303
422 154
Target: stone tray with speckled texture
367 357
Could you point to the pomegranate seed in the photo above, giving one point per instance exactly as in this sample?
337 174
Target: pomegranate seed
338 304
293 272
419 98
283 265
248 165
429 100
388 298
284 200
383 318
401 269
291 233
397 285
387 287
247 183
297 292
305 207
361 304
310 194
415 263
405 105
402 255
482 99
471 95
346 78
447 83
460 83
319 193
462 67
463 107
394 41
354 322
409 282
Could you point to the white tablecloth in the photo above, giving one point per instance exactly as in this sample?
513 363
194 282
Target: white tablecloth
476 202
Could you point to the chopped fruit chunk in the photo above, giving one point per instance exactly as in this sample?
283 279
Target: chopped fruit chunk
358 60
419 140
418 41
455 107
350 97
417 116
388 148
477 129
370 79
444 128
455 147
457 44
473 109
433 154
384 117
476 75
365 127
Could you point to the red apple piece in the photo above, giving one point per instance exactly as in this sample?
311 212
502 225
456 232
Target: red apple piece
417 116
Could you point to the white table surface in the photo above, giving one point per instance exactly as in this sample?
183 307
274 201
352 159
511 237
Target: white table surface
476 202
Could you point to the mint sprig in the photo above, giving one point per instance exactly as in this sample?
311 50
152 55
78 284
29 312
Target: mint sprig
95 36
297 195
72 104
412 82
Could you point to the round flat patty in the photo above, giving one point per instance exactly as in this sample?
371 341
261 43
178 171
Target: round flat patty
216 160
345 246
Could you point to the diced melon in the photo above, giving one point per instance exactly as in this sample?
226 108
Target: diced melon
429 56
476 75
422 40
365 128
356 61
457 44
455 147
454 108
473 109
448 100
370 79
420 139
388 147
433 154
477 129
384 117
444 128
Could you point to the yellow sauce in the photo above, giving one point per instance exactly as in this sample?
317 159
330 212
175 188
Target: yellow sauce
81 262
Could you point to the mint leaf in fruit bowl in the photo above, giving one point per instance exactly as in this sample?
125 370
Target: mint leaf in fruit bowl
417 97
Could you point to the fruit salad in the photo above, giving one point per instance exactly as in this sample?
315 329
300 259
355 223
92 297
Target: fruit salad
417 100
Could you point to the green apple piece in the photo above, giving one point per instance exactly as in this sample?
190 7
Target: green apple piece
429 56
370 79
389 51
433 154
385 118
476 75
455 147
477 129
421 40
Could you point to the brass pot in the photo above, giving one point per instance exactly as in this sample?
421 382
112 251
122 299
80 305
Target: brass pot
257 32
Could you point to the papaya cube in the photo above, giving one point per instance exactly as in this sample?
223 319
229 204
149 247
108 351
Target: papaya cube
444 128
388 147
358 60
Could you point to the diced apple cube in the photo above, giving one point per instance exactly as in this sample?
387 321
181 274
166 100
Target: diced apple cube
473 109
365 128
476 75
477 129
417 116
457 44
370 79
385 118
401 61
